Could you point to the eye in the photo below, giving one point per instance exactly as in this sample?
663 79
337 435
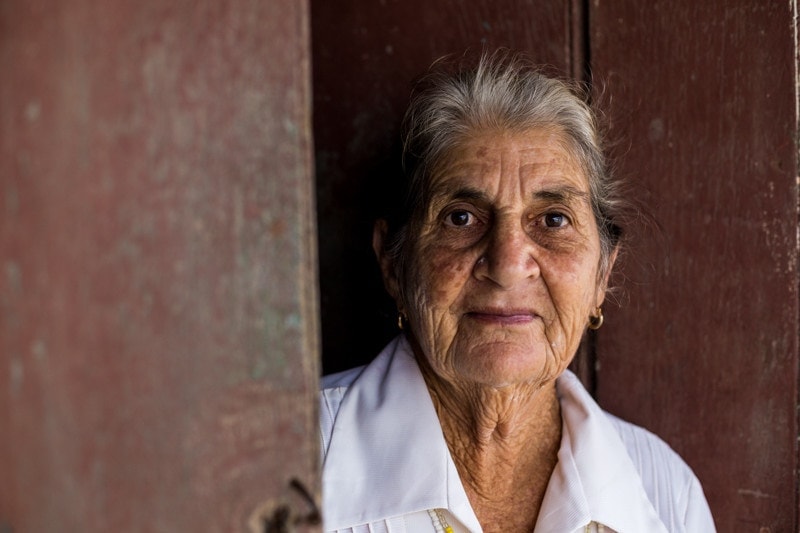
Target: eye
555 220
460 218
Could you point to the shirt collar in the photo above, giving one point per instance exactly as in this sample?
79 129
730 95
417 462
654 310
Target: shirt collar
595 479
387 453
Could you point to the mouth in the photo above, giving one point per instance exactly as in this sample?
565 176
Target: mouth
506 317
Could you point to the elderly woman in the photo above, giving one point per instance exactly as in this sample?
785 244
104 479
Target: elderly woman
498 262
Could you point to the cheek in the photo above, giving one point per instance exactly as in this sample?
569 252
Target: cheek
440 274
573 281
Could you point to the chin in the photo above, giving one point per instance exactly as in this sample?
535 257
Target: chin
502 368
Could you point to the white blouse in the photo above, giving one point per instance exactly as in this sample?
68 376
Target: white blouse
387 468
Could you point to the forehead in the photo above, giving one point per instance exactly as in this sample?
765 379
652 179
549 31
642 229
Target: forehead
541 155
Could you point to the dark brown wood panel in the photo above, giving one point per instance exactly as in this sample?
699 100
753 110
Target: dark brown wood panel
158 296
366 55
703 349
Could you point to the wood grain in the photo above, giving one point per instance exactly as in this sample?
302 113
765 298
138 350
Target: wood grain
158 303
703 349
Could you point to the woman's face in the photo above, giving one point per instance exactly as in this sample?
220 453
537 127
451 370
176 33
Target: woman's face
504 274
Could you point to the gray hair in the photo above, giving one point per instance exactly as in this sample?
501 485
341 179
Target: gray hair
504 90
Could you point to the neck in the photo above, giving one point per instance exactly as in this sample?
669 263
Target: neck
504 442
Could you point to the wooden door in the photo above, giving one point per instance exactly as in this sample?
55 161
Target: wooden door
703 348
158 315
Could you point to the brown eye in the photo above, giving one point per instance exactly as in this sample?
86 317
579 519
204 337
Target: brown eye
460 218
555 220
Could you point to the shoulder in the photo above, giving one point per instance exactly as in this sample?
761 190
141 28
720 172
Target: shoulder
650 454
638 456
340 379
333 388
670 483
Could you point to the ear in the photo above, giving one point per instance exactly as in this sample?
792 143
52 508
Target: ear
379 231
602 288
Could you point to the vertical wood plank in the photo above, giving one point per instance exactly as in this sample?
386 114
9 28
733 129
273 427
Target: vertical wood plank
366 55
704 348
158 316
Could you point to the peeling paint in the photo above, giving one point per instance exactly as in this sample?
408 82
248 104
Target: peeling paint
33 111
289 126
656 130
13 277
293 322
39 350
17 375
11 199
755 493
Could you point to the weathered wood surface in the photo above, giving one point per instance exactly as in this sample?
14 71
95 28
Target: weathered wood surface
704 348
158 296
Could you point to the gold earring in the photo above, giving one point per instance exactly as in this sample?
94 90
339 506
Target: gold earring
400 317
597 320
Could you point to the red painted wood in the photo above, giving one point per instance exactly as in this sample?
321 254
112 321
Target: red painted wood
366 55
158 316
704 348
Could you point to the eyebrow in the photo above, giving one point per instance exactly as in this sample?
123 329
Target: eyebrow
461 193
561 194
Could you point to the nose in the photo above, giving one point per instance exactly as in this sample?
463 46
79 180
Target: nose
509 255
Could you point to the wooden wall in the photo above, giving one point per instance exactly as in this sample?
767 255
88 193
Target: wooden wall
158 298
703 349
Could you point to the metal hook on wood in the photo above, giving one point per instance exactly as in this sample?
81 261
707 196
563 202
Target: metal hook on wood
282 521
